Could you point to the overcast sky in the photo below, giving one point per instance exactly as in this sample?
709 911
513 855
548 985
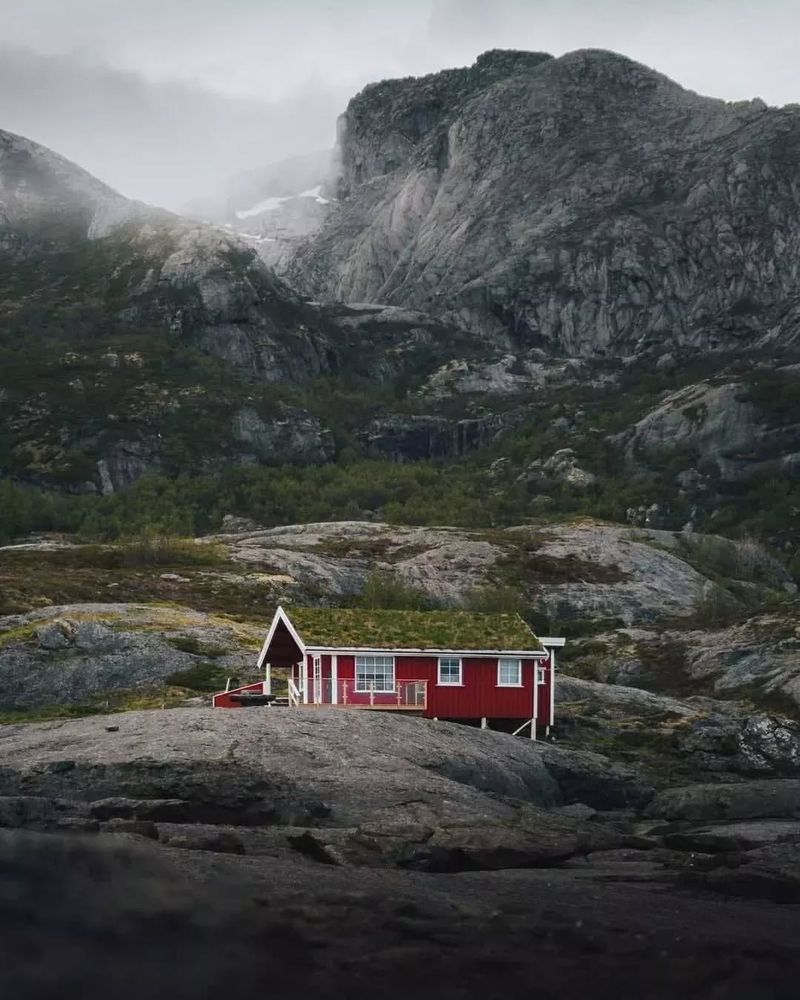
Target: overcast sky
303 58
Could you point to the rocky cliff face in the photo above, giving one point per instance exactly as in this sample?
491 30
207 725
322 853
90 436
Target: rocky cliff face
585 204
133 340
541 229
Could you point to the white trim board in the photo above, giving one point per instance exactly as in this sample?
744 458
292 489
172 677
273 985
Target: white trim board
522 654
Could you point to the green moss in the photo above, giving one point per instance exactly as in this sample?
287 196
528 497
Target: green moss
381 629
21 634
113 702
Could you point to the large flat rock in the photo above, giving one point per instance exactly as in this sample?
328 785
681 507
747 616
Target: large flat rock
344 768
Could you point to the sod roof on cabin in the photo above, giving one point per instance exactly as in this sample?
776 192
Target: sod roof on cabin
347 628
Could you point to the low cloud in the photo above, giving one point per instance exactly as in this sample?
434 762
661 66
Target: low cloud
163 98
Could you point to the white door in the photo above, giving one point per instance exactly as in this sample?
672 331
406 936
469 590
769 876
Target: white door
317 680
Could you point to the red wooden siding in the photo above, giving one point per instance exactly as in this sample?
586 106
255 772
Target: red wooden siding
478 697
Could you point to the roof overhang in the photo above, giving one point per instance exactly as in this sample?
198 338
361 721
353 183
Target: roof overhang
280 617
523 654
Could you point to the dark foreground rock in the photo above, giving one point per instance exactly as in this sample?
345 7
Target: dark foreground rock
90 918
357 854
770 872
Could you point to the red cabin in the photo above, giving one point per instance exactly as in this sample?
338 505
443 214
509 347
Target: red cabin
457 665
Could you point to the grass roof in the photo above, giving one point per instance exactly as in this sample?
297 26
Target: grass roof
456 630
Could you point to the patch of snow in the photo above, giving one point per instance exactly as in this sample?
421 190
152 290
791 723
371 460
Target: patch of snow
270 204
257 237
267 205
315 194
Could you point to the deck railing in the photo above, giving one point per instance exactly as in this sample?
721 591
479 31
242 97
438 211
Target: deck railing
406 694
295 695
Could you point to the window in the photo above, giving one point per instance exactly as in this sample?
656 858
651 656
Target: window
541 675
450 670
374 673
509 673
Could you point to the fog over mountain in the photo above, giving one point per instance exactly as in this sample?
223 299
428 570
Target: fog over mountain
165 99
159 141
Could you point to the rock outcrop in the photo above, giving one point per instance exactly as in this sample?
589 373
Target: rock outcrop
677 739
584 570
586 205
719 428
758 658
92 655
744 800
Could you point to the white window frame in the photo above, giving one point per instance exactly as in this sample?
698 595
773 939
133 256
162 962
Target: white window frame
451 661
508 684
361 662
541 675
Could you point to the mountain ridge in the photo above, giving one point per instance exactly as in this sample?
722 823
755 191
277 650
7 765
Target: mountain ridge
589 206
569 304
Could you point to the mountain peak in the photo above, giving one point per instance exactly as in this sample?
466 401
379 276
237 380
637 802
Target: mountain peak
37 183
506 62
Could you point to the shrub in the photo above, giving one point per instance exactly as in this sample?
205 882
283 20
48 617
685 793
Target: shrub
160 550
386 590
743 559
715 607
497 599
206 677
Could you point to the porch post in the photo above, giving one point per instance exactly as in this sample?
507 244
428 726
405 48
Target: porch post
304 678
334 679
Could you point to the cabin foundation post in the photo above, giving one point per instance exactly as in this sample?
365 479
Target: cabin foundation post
484 723
533 729
268 679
